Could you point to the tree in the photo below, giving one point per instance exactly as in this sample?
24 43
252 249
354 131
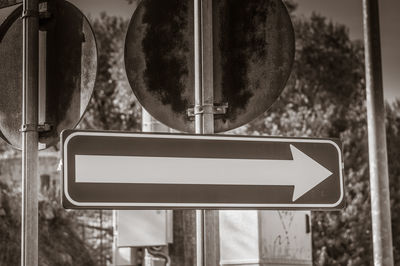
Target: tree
325 98
393 144
113 105
58 242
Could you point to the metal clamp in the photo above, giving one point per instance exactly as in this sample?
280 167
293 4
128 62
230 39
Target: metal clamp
216 109
28 127
203 109
46 127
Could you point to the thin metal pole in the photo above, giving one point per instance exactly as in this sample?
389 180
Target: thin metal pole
198 118
101 237
29 219
207 233
380 200
115 260
200 237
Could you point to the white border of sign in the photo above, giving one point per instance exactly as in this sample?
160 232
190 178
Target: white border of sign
199 205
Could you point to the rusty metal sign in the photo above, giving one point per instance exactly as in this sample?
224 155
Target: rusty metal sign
67 71
253 53
7 3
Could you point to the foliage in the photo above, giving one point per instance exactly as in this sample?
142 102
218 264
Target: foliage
393 144
58 242
325 98
113 105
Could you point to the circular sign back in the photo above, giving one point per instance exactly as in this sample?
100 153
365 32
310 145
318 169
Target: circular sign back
253 52
70 66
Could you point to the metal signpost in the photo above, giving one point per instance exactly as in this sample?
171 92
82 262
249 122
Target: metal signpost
379 179
67 71
112 170
50 82
250 44
29 221
228 60
204 122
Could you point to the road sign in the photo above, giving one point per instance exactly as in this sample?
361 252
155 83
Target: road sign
253 51
7 3
129 170
67 71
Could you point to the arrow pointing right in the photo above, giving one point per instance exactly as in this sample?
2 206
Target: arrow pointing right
313 172
302 172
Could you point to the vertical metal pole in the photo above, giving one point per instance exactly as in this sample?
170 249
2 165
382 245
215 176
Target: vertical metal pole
207 233
115 235
198 117
101 237
29 219
380 200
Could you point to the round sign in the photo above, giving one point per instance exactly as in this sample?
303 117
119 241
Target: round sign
68 65
253 52
8 3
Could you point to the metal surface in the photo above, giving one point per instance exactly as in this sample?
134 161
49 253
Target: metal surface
29 142
7 3
199 116
111 170
379 179
207 222
283 238
253 50
142 228
265 238
70 71
239 237
149 124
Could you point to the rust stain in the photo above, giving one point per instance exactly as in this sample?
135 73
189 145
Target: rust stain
253 55
242 40
165 50
65 65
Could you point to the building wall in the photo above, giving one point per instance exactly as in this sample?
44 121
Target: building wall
11 169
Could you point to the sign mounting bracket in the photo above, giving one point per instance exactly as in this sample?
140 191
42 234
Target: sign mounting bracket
217 109
46 127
